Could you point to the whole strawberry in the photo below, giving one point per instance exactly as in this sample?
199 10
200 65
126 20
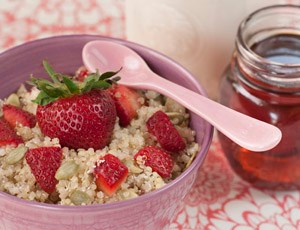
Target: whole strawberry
79 114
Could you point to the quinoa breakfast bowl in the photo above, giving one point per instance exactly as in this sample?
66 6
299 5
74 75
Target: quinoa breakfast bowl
129 171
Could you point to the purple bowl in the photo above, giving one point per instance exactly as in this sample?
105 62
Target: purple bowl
154 210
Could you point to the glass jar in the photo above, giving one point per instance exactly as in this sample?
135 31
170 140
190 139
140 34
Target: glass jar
263 81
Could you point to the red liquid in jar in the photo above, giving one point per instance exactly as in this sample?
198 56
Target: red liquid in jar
279 167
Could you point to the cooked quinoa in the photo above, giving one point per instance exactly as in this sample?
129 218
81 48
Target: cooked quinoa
80 188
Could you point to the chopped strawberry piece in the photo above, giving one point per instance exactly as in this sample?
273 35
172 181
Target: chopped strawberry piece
44 162
82 74
8 136
14 115
127 103
156 158
110 173
166 134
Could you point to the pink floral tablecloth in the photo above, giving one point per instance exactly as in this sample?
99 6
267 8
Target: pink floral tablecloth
219 199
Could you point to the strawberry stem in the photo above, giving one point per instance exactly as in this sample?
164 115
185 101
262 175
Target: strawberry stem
65 86
50 71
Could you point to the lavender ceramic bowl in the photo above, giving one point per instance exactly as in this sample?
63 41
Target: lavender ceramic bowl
151 211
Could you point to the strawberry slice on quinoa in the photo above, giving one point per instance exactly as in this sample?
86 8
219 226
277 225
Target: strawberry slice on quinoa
161 127
156 158
8 136
44 162
81 74
14 115
127 103
109 174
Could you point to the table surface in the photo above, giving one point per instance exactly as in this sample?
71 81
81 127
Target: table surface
219 198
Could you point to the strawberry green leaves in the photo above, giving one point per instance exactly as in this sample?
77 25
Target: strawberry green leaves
43 99
63 86
72 87
96 81
50 71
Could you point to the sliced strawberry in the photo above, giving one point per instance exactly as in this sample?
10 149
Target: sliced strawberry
127 103
14 115
81 74
110 173
8 135
166 134
44 162
156 158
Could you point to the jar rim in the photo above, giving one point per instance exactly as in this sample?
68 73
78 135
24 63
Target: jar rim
245 48
263 24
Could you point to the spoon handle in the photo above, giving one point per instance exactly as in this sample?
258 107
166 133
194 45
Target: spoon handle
246 131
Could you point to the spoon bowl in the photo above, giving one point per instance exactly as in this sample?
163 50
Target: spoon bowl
246 131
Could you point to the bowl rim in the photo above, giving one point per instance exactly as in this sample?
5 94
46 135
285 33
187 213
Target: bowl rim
140 199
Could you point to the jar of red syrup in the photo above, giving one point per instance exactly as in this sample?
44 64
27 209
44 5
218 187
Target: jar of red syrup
263 81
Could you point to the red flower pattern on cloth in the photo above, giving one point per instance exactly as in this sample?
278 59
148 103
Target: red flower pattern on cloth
27 20
239 206
219 198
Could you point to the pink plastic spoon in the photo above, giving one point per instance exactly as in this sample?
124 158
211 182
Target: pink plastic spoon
246 131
